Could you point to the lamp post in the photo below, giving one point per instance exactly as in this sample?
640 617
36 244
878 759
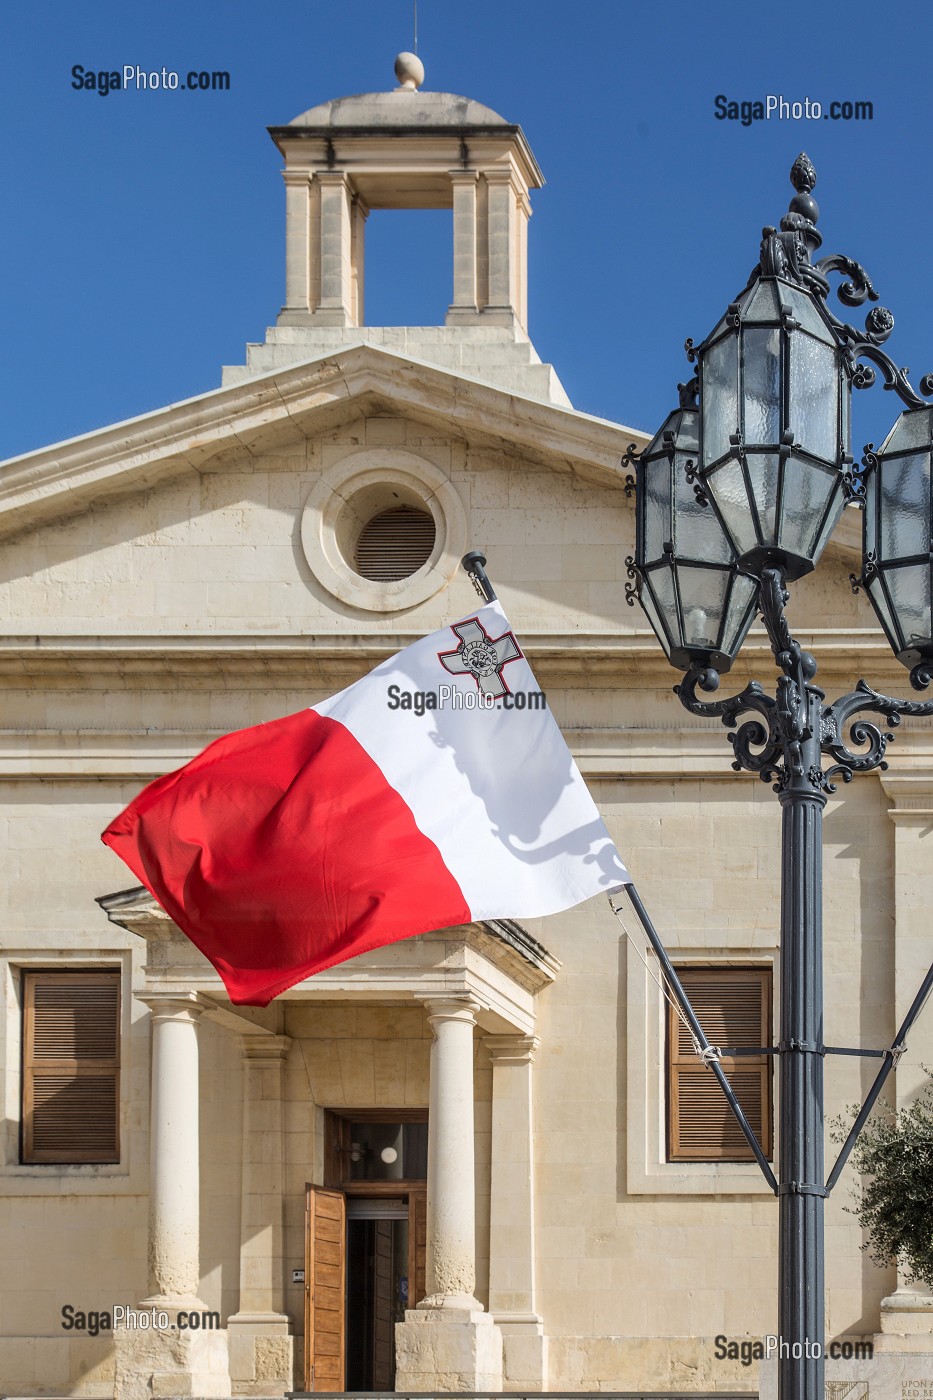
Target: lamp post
736 497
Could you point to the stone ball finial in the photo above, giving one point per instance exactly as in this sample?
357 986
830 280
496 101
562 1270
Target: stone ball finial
409 70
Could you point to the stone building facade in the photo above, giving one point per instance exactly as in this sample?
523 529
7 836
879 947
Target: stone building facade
196 570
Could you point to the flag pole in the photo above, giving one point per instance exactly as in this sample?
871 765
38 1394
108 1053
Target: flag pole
474 563
709 1054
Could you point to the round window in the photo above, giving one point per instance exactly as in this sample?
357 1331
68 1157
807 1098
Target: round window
395 543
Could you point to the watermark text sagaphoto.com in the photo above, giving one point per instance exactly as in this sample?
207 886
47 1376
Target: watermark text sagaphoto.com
449 697
98 1320
770 1348
131 77
777 107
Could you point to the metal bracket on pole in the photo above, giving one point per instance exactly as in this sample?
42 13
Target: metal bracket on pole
474 563
801 1188
892 1056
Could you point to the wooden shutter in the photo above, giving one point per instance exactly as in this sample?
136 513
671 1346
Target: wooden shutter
325 1288
417 1246
733 1005
71 1067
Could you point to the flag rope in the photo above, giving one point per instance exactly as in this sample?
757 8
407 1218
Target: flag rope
662 983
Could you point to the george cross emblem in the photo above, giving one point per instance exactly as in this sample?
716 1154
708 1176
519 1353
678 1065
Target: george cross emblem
481 657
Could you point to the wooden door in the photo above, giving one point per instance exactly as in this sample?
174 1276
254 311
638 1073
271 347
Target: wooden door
325 1288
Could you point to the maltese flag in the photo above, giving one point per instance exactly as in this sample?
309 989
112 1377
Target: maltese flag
436 791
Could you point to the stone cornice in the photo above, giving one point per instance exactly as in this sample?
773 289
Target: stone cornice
290 404
700 750
289 656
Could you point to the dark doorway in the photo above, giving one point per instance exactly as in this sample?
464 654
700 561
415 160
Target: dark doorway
377 1289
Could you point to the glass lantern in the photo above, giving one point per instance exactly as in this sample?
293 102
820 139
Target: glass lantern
898 535
775 399
697 600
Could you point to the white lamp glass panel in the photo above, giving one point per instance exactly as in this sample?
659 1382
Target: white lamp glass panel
763 475
905 506
654 617
727 485
699 533
805 313
657 506
763 304
761 355
703 596
910 596
878 597
814 396
662 581
806 494
914 428
741 613
720 397
832 519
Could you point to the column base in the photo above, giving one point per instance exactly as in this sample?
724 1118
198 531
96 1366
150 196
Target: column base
169 1364
906 1323
524 1351
261 1353
447 1347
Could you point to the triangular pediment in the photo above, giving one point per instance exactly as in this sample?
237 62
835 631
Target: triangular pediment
271 411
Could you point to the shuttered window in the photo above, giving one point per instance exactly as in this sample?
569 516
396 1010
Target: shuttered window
733 1005
395 543
71 1067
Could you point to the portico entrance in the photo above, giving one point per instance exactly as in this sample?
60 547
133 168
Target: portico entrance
365 1246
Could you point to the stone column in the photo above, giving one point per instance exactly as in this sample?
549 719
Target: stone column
448 1341
172 1360
298 301
335 307
504 248
260 1344
907 1314
512 1300
465 304
359 215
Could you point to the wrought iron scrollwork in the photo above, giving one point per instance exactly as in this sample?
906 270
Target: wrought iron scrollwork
631 589
771 742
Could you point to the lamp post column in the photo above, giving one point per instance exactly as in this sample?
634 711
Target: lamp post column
800 1254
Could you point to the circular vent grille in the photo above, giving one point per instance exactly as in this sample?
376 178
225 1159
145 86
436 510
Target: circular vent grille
395 544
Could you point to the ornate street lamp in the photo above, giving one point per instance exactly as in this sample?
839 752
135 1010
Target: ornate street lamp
697 600
775 395
774 468
897 562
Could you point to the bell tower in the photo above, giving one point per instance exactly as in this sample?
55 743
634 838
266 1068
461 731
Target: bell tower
405 149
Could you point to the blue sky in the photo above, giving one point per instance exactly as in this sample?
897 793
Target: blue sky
142 236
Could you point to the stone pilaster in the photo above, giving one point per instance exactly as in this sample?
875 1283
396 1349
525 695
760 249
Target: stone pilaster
261 1347
298 235
907 1314
465 304
337 299
449 1342
512 1296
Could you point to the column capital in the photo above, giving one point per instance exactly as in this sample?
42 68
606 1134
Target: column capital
173 1006
265 1047
441 1009
512 1049
332 177
459 176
